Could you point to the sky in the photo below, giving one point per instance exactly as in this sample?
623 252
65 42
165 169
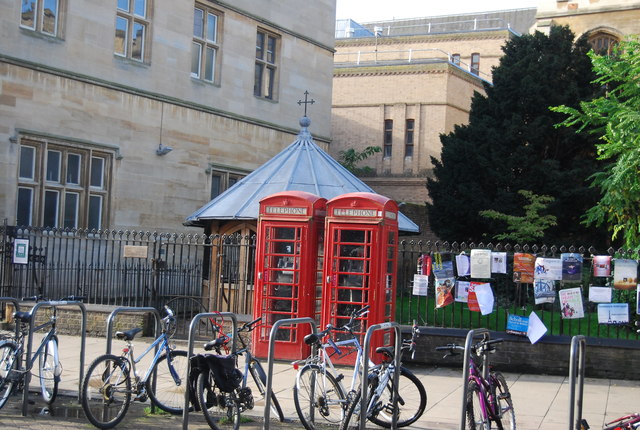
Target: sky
379 10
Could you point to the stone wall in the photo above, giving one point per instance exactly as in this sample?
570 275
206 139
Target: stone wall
604 358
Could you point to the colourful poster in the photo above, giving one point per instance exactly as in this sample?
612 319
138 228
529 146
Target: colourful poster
601 266
625 274
472 300
523 267
571 267
571 303
442 269
444 296
544 291
548 268
517 325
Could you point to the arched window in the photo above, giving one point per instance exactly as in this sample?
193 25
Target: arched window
602 43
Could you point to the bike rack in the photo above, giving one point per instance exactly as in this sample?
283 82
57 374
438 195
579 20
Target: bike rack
83 335
125 309
465 369
272 341
365 370
192 328
580 343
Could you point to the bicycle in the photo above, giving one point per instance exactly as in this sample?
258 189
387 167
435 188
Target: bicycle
488 397
412 396
252 366
13 374
111 380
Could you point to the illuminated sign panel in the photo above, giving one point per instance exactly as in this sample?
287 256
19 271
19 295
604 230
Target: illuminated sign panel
279 210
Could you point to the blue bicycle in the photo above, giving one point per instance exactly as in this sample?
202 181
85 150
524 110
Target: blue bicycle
111 380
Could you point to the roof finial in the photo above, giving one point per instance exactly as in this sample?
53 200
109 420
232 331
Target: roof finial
306 102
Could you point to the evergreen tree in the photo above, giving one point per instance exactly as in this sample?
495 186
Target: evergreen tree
511 144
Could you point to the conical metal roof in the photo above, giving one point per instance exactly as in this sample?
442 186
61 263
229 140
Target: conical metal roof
302 166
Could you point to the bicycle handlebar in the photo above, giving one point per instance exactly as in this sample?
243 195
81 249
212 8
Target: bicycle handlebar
250 325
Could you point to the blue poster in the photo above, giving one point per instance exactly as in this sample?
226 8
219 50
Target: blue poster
517 325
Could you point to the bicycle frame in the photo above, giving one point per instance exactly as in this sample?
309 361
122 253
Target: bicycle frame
486 384
45 340
162 344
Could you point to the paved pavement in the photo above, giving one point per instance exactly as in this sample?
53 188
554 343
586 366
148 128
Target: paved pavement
541 402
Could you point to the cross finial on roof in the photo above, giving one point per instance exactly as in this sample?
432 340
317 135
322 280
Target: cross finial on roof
306 102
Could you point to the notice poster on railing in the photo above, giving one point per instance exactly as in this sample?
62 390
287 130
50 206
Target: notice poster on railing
601 266
625 274
420 285
548 268
613 313
21 251
444 294
480 263
544 291
462 291
517 324
599 294
571 303
571 267
498 262
523 266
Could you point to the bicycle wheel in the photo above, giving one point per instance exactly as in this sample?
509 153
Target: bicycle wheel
220 410
106 391
260 378
318 397
503 397
412 401
475 418
8 363
49 369
169 394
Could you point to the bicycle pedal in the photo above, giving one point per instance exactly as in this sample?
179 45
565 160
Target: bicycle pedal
142 397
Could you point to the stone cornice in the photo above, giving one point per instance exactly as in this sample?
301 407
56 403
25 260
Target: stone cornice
424 38
565 13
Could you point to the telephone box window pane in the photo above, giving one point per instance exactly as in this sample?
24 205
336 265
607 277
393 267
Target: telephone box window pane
73 169
28 14
27 162
95 212
50 215
25 205
71 201
97 172
53 166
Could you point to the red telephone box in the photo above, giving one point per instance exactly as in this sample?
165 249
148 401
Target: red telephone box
288 269
361 248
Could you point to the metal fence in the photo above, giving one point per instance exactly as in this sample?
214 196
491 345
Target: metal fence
195 273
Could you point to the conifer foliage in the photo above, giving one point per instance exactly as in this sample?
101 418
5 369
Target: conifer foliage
510 144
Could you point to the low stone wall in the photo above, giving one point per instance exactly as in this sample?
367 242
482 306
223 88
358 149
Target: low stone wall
604 358
69 319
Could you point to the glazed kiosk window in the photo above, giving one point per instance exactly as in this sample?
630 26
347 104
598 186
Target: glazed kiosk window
288 270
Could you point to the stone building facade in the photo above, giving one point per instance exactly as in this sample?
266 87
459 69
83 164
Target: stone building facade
132 114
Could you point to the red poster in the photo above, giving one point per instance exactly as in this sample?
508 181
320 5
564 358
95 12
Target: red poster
523 267
472 299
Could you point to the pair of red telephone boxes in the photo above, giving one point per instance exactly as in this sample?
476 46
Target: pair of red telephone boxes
322 259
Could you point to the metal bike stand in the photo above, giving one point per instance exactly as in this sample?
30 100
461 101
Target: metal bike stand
83 335
580 343
272 341
192 329
465 369
125 309
365 370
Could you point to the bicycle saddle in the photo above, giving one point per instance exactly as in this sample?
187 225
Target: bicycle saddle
311 338
129 334
22 316
214 343
387 351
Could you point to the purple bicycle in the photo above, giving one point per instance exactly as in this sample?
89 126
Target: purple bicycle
488 404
